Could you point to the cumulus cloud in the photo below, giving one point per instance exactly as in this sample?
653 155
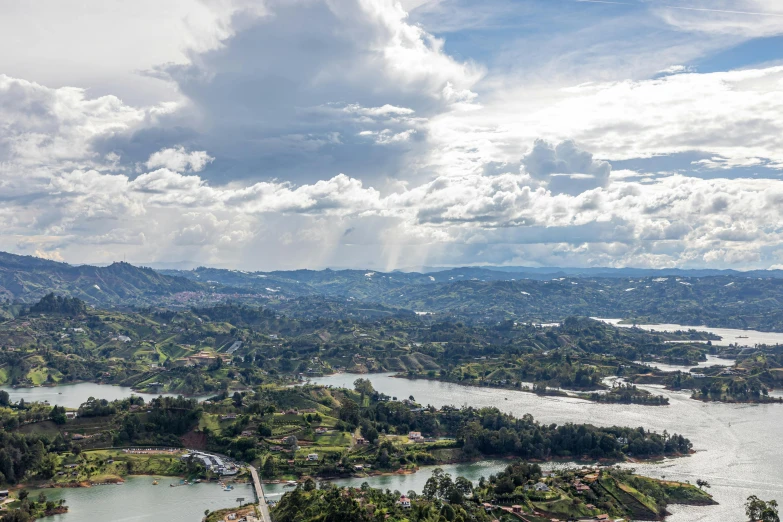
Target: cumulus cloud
317 133
733 115
316 69
42 126
566 167
179 160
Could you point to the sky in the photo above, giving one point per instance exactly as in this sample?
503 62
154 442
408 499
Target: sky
385 134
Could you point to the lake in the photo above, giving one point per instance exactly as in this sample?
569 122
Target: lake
74 395
712 360
728 335
738 447
138 500
404 483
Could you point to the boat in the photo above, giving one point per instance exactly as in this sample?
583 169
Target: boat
290 484
742 337
154 482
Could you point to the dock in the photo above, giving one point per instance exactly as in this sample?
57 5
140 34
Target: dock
262 507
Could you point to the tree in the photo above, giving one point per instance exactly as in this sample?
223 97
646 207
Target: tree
269 467
364 387
702 484
369 433
309 484
349 412
430 489
464 485
757 509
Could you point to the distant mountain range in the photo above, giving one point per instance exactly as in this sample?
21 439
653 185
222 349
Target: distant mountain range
694 297
27 279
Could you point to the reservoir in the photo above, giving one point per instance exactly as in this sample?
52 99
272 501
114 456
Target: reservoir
74 395
138 500
738 449
404 483
738 452
728 335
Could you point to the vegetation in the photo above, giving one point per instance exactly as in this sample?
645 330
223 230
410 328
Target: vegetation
715 298
759 510
522 488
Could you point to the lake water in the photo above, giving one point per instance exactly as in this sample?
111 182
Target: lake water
712 360
738 446
138 500
404 483
74 395
728 335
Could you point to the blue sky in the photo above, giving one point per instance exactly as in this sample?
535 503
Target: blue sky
274 134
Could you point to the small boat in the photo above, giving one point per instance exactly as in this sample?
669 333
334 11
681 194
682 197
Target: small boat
154 482
742 337
290 484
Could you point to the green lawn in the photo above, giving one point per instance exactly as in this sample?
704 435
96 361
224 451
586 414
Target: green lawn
333 439
211 421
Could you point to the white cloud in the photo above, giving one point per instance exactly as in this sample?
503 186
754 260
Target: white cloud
747 18
734 115
179 160
343 133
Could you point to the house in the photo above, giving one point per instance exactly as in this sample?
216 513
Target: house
312 456
3 493
582 488
516 509
71 414
404 502
361 441
487 506
201 359
414 435
541 487
230 416
320 431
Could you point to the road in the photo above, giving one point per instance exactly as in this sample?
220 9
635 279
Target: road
262 507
